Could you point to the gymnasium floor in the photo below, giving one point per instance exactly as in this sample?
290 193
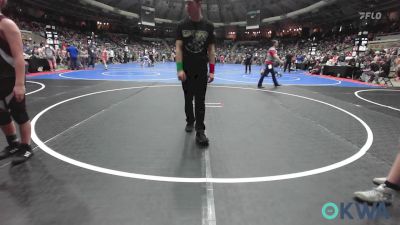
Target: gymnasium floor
110 148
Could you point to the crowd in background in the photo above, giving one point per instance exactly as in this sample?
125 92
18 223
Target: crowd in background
88 49
330 51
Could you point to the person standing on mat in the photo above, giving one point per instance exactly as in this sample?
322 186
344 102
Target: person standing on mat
104 58
73 54
388 189
288 62
12 92
195 48
248 61
272 57
92 56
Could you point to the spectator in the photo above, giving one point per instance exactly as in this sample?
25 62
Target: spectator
73 54
50 55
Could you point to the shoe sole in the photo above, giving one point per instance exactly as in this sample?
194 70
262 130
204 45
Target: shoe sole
8 156
23 160
5 157
377 182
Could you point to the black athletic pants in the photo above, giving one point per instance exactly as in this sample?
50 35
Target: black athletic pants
249 66
195 86
268 69
288 64
91 61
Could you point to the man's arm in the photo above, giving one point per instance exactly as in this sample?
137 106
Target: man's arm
277 58
179 60
211 59
178 50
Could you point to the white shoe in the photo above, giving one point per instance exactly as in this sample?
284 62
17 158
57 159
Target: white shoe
378 194
379 180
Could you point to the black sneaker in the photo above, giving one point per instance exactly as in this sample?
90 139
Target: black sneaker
260 87
189 127
8 151
278 85
201 138
23 154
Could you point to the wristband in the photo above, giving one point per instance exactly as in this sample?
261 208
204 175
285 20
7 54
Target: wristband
179 66
212 68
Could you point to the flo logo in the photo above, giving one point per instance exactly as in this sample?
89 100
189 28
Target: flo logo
351 211
370 15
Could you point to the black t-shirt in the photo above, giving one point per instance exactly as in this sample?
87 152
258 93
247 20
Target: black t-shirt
91 51
196 37
6 59
248 58
289 57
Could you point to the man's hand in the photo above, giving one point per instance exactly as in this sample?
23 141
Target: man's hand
182 75
19 92
211 78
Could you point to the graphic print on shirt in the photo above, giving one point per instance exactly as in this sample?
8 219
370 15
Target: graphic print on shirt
196 41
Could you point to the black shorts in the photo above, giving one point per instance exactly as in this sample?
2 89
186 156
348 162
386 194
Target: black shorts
6 86
6 90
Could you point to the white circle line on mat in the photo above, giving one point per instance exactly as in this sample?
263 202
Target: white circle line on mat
94 79
107 73
375 103
255 83
279 78
42 86
320 170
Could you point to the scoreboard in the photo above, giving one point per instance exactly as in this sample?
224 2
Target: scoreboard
312 50
253 20
52 36
360 43
147 16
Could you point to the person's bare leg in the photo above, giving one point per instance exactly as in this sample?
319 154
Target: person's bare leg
386 191
394 174
24 150
25 131
9 129
10 134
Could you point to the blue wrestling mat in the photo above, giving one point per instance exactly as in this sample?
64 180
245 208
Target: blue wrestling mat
225 74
